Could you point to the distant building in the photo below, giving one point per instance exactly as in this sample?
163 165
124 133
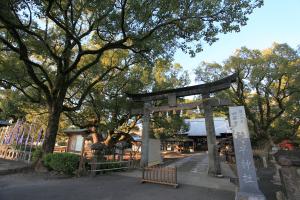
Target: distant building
75 138
195 138
197 127
4 123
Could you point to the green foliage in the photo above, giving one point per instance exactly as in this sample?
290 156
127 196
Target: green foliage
110 106
36 154
56 52
62 162
163 126
62 141
11 104
267 86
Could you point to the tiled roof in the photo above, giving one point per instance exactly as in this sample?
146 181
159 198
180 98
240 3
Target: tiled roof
197 126
4 123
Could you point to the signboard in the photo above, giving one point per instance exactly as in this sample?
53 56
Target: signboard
79 140
248 187
154 152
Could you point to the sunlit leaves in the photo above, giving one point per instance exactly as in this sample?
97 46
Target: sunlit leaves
268 84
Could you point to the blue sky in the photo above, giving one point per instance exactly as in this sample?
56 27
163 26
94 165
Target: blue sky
276 21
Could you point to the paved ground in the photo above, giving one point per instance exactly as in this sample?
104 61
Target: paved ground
11 166
104 187
266 184
123 185
192 177
192 171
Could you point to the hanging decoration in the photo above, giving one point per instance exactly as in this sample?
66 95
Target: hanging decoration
21 140
151 114
198 110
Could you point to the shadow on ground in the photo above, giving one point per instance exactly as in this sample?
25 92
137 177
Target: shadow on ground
104 187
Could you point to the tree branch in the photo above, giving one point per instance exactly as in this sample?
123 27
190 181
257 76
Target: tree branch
116 45
21 89
23 52
86 92
123 18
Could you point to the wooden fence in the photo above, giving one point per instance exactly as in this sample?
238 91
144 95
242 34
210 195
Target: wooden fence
60 149
110 166
160 175
6 152
18 141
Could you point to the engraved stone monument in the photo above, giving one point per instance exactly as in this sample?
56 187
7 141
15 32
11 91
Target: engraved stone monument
248 187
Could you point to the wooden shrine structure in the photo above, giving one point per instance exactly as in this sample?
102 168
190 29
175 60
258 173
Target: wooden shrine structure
171 95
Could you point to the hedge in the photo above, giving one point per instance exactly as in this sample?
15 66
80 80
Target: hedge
66 163
36 154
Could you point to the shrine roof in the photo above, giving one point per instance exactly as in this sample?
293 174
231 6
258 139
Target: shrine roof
4 123
75 131
197 126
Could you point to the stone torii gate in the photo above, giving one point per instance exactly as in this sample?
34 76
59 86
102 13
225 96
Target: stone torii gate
207 104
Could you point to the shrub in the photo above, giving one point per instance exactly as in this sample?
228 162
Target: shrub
62 162
36 154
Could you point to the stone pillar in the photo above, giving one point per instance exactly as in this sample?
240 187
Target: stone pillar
248 186
145 136
276 177
214 168
290 178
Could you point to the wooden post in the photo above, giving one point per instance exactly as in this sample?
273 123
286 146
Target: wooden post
145 136
93 164
214 168
194 146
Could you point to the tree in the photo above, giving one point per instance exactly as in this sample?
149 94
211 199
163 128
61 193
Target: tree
167 76
58 41
167 126
267 84
109 105
10 106
287 125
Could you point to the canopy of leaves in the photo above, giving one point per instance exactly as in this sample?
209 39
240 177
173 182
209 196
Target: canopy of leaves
59 40
109 104
167 125
64 44
268 86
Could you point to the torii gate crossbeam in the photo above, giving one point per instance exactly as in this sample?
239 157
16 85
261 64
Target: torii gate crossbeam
205 90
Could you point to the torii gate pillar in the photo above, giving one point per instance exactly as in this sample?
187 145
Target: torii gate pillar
214 168
171 95
145 136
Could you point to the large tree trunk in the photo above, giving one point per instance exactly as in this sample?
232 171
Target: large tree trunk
55 111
